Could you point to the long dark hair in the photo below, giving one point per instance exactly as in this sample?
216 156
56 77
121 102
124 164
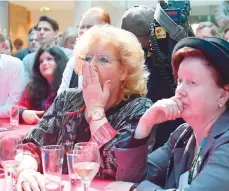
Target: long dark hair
39 87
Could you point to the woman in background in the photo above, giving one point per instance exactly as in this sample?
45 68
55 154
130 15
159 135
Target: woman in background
41 91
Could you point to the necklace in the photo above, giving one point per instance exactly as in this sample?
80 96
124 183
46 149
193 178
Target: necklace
196 158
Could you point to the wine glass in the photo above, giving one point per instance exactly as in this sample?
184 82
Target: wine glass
8 152
86 162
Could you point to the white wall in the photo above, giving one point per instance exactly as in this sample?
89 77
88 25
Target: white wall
4 10
65 18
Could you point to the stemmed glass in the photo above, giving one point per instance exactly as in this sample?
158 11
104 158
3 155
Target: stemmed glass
8 152
86 162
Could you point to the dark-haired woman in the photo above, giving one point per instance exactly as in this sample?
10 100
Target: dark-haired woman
41 91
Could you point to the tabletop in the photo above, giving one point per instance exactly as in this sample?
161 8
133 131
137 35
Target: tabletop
97 184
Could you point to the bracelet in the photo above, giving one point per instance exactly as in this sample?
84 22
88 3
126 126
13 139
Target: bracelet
133 186
103 135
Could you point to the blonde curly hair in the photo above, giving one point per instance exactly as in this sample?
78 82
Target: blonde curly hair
131 56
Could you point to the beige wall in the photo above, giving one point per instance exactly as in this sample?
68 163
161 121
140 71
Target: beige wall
19 22
65 18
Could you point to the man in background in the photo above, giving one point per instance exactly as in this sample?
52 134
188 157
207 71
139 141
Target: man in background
47 32
12 81
138 20
33 44
91 17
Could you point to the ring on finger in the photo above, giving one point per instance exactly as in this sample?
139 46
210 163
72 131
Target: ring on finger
24 182
84 83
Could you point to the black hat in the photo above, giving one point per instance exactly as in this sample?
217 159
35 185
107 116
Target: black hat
215 49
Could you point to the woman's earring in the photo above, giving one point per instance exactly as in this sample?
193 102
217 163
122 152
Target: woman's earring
122 84
220 105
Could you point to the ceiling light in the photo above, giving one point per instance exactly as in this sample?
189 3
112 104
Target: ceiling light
44 9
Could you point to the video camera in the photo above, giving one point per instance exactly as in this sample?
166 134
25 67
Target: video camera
170 25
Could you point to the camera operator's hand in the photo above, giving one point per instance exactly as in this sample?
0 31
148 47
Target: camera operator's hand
161 111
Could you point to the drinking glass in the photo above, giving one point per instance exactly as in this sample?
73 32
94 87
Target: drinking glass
74 179
7 158
52 161
86 162
14 116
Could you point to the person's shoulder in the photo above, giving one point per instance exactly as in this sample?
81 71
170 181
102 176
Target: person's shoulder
30 56
72 97
67 51
11 60
140 101
136 106
23 51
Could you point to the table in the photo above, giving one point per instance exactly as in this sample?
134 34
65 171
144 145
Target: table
22 129
98 184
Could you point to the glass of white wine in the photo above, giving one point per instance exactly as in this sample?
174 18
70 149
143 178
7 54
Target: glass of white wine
86 162
8 152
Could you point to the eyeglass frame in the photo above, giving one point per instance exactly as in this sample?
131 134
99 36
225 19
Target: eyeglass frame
111 58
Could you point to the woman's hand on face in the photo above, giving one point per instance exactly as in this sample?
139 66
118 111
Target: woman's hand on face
30 180
119 186
32 116
161 111
95 96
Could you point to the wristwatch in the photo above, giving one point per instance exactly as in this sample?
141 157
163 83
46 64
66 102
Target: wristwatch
96 115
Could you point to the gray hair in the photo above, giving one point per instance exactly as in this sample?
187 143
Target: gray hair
69 32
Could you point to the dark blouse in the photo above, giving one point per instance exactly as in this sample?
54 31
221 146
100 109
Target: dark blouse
62 125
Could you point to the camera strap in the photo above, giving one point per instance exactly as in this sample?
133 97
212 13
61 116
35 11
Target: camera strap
176 32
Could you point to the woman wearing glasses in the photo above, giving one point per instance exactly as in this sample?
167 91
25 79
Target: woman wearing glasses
106 111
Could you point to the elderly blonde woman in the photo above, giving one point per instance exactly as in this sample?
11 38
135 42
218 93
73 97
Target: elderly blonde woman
195 158
68 38
111 61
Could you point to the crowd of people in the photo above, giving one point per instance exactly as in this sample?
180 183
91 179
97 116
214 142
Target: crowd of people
100 79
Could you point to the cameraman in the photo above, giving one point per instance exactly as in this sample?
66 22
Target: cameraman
138 20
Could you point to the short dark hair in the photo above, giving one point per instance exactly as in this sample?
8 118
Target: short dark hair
51 21
18 42
32 29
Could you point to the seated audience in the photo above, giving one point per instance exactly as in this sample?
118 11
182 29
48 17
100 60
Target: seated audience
195 158
47 32
226 34
12 82
207 29
33 44
111 103
91 17
41 91
68 38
